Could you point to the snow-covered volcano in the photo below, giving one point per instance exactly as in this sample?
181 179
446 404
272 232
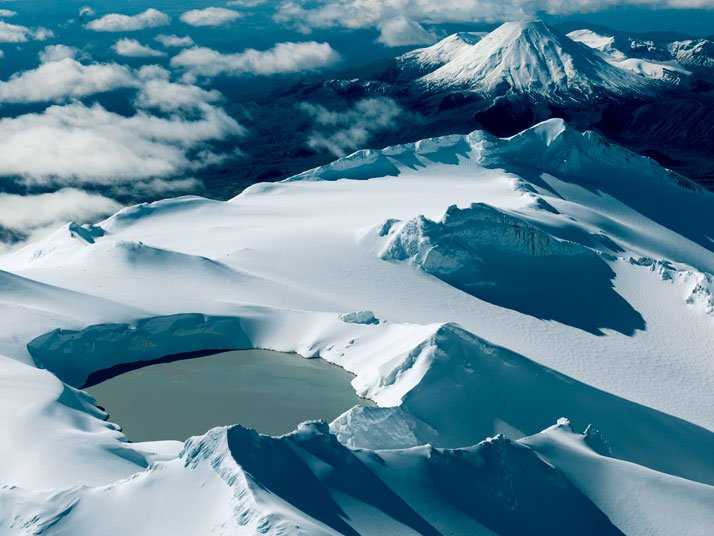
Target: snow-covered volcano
474 285
534 60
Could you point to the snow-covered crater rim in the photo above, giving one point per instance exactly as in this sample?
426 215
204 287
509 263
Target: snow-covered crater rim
77 357
353 341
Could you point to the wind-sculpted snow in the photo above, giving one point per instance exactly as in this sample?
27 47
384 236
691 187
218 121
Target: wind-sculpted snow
143 211
308 483
359 317
367 427
75 356
699 286
551 146
202 491
44 306
474 286
284 467
20 510
463 371
87 356
467 374
613 485
544 484
391 161
509 262
563 163
241 473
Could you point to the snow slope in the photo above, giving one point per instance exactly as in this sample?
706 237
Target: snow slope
676 57
533 60
644 59
603 43
474 285
308 483
638 500
695 54
424 60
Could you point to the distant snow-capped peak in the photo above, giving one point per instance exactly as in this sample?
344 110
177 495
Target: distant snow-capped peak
442 52
694 53
603 43
532 59
641 57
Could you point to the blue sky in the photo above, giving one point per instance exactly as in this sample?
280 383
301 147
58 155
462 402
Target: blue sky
698 22
257 28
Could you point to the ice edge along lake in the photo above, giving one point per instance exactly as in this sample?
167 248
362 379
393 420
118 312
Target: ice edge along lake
268 391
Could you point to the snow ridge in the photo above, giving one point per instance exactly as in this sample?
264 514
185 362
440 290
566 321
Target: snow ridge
644 58
458 247
666 61
253 511
699 286
73 356
551 146
422 61
697 54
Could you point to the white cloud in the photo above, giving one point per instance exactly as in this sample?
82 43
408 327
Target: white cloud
117 22
399 32
157 187
133 49
343 131
158 92
57 53
15 33
246 3
65 78
210 16
6 13
75 143
282 58
42 34
174 41
307 14
28 213
168 96
153 72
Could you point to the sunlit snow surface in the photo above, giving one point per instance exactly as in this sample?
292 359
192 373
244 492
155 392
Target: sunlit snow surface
532 59
508 282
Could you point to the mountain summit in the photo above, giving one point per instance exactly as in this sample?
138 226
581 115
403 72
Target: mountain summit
422 61
531 59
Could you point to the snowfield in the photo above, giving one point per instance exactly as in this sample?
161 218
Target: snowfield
656 64
480 289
